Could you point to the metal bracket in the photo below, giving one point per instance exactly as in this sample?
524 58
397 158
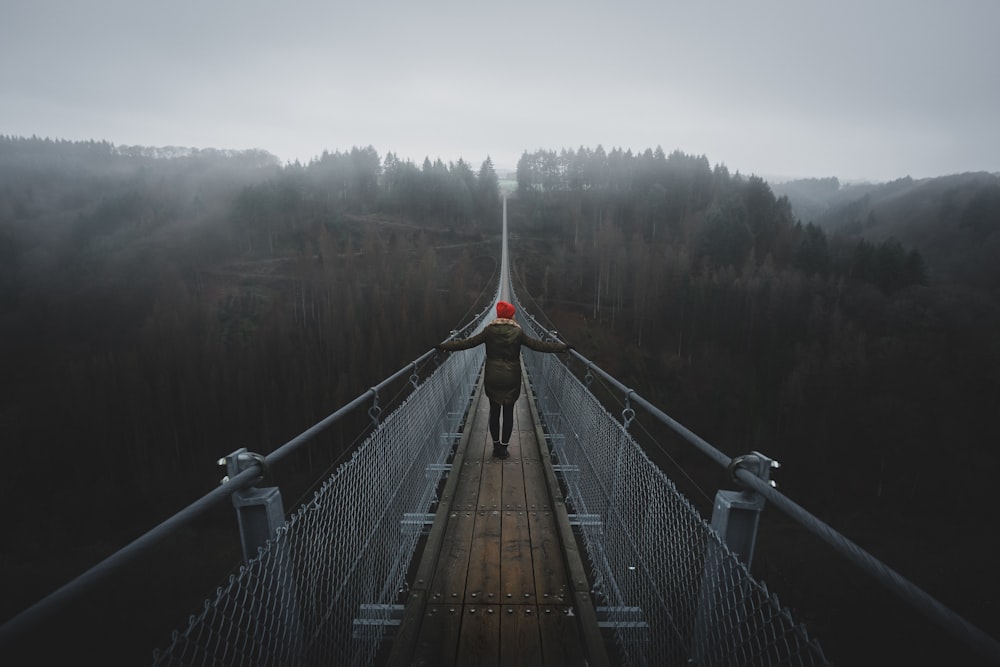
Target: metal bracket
736 514
628 414
417 522
570 473
435 471
583 520
377 618
624 617
242 459
375 410
758 464
259 512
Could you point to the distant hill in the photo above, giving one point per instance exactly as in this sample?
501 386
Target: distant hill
811 198
953 221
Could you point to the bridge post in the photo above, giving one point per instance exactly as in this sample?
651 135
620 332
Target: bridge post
736 514
735 518
259 512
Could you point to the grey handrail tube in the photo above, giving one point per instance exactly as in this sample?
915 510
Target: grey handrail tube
959 628
38 612
44 608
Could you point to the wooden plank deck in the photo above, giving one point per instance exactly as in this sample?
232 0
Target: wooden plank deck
500 581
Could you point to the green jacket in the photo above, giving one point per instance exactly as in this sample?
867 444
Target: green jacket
503 338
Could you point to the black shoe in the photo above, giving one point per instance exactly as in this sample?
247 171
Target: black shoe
497 449
501 452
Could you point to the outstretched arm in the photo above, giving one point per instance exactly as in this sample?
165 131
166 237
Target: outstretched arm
542 346
463 344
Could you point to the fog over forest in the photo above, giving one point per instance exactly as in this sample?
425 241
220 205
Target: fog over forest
163 307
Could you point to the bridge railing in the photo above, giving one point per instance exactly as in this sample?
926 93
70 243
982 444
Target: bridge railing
324 588
674 587
665 584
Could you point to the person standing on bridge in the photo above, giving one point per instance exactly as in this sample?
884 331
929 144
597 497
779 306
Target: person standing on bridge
502 380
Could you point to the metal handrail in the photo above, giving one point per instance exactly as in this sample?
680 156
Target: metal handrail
937 612
43 609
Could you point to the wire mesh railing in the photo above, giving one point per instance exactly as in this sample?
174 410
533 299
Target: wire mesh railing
323 590
667 586
746 471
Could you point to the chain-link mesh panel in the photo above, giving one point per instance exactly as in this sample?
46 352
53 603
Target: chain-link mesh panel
322 591
662 579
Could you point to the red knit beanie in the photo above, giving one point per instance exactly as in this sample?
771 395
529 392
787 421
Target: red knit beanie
505 310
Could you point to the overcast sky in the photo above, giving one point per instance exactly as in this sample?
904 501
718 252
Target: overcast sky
858 89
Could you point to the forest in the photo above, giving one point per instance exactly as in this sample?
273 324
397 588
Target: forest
850 332
163 307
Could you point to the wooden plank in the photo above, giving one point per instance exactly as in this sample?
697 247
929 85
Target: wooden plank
586 617
483 582
470 476
449 581
546 547
515 440
438 643
536 491
479 641
560 636
523 421
546 550
517 578
512 492
517 581
548 568
405 642
521 642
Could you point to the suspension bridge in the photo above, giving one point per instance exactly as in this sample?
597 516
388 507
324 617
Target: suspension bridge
423 549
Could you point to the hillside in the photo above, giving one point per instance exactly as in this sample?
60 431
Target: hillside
870 373
953 221
164 308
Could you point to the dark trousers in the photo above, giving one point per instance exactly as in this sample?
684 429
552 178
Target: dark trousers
508 421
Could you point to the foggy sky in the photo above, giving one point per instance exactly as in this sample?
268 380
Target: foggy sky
873 89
